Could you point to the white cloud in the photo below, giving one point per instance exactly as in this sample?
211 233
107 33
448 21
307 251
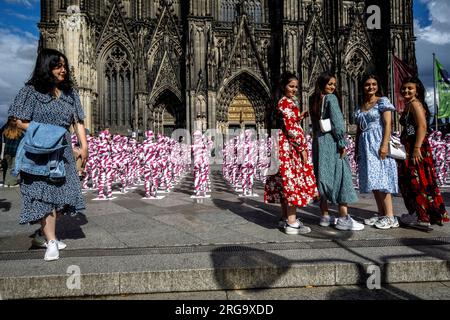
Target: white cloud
18 52
434 38
3 114
26 3
22 16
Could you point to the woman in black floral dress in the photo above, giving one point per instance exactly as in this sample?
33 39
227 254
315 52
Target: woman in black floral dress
49 98
417 175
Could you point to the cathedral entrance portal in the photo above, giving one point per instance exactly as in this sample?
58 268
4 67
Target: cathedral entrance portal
242 103
167 114
241 114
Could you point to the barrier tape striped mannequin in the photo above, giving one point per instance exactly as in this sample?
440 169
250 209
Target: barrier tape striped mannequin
225 164
131 172
351 149
162 163
123 168
263 162
96 162
204 160
171 164
234 164
150 159
249 161
438 148
90 169
225 161
105 165
116 158
198 149
240 162
447 158
209 144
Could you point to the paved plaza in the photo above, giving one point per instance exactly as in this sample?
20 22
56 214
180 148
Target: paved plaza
133 246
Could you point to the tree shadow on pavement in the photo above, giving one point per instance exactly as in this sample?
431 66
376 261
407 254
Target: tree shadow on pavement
69 227
265 270
266 217
363 293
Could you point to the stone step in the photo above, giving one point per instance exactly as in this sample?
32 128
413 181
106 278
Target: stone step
106 272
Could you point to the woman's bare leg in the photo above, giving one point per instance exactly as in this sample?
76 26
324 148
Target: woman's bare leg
49 226
324 207
379 198
343 210
291 214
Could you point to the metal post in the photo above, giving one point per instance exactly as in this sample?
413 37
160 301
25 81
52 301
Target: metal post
436 109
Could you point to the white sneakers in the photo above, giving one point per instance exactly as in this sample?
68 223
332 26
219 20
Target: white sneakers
371 221
382 222
387 223
344 224
297 228
327 220
39 241
348 224
52 252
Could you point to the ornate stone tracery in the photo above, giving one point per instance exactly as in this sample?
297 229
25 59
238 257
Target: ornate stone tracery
164 64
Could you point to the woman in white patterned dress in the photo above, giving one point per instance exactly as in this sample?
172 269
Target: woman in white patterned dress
377 171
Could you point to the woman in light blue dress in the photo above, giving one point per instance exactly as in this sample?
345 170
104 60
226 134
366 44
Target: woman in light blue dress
377 171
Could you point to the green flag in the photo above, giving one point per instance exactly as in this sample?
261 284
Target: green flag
443 88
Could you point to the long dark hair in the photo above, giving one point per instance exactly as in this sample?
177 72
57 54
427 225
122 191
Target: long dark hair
421 92
43 79
314 102
380 92
285 78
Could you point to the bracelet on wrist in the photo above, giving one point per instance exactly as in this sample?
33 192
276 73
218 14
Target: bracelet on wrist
416 147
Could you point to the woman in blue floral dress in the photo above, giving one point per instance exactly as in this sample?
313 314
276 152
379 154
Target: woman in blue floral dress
377 171
49 98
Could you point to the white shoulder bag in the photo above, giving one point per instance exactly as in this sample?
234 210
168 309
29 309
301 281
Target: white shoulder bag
396 149
325 124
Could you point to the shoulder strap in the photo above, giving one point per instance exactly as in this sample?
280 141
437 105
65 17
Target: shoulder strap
323 105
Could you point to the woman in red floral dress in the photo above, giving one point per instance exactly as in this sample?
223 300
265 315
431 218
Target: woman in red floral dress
294 185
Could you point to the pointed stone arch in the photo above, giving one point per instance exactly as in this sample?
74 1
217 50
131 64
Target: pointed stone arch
116 88
115 29
252 87
243 53
317 55
356 63
164 57
166 112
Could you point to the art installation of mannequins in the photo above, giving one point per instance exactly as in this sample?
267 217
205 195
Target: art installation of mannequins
201 165
160 164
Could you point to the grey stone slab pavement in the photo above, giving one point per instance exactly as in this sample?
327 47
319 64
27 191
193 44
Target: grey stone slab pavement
133 246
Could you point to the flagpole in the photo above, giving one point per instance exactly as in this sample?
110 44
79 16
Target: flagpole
434 89
392 85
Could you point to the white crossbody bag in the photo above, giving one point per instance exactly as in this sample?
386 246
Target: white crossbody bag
2 156
325 124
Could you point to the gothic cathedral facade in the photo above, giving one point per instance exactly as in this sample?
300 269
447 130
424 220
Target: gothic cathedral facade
162 65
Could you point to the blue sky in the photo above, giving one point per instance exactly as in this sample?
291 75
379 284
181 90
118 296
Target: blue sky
19 37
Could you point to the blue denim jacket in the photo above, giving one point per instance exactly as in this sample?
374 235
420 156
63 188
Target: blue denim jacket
41 151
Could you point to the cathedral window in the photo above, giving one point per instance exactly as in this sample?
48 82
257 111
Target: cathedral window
229 10
117 88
